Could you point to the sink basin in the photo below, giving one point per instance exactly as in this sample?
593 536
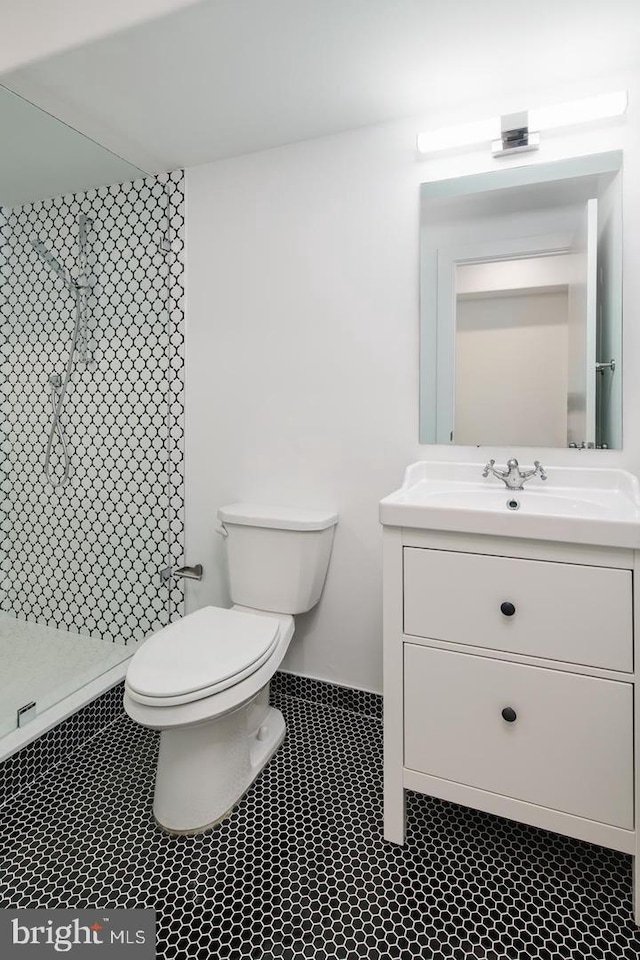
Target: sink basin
576 505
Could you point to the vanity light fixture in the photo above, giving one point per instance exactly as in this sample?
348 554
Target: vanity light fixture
519 132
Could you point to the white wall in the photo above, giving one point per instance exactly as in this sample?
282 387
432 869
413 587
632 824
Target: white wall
302 349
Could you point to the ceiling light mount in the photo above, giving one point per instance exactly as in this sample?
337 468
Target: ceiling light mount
515 136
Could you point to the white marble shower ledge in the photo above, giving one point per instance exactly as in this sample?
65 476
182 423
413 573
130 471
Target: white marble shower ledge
61 671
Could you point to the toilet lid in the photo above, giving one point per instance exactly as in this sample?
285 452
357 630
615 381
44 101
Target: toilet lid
204 652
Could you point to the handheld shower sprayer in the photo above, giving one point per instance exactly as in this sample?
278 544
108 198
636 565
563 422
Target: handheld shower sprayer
58 384
61 272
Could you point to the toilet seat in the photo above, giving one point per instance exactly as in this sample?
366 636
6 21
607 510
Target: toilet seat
202 654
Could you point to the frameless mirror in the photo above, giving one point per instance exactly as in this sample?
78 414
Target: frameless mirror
89 372
521 306
43 157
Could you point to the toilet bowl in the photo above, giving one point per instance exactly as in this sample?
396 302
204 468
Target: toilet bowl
203 681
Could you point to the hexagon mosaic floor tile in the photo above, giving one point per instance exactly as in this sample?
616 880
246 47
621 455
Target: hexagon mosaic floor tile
300 869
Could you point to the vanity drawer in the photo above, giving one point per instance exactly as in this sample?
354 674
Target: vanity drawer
570 747
559 611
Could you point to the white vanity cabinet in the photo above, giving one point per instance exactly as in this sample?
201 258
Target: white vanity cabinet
509 680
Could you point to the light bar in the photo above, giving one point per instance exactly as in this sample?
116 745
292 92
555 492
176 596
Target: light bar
578 111
499 131
463 135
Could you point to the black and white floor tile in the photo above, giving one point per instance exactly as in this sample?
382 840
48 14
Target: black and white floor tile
300 869
330 694
34 760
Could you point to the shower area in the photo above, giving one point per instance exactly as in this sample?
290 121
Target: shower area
91 462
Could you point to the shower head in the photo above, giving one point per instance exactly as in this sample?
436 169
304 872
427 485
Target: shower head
48 258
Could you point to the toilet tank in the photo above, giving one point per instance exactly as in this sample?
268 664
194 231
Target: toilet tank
277 556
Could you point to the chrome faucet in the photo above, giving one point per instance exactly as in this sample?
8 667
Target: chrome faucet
513 476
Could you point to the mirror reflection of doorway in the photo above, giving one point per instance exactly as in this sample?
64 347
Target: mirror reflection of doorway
525 346
511 351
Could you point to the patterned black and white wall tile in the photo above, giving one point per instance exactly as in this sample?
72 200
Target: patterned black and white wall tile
174 186
87 557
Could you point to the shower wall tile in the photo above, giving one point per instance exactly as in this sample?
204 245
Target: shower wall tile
174 185
87 557
4 251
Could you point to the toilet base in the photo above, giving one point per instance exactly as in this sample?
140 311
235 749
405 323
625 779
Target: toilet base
204 770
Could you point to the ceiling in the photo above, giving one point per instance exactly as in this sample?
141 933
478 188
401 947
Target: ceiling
39 28
221 78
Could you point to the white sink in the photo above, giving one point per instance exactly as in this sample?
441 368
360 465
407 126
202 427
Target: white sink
576 505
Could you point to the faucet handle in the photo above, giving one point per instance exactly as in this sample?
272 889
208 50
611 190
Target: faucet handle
537 470
488 466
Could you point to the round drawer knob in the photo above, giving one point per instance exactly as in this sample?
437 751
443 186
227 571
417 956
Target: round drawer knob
507 608
509 714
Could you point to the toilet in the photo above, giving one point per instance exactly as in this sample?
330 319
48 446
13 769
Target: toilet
203 681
